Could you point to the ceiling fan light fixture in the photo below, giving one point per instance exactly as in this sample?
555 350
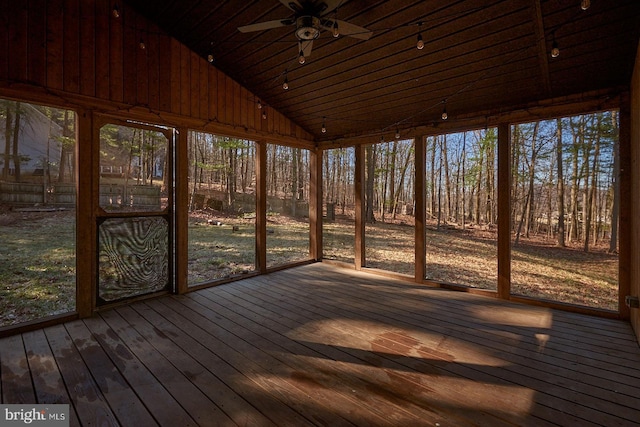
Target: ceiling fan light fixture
307 28
555 50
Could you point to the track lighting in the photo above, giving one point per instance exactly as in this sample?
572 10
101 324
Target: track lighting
301 58
324 128
264 114
210 58
420 42
444 116
336 33
585 4
397 134
555 50
143 46
285 83
115 12
259 105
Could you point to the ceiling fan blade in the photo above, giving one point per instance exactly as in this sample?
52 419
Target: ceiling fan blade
292 4
260 26
347 29
305 46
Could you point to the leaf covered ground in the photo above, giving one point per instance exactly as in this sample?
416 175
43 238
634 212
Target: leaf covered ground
37 258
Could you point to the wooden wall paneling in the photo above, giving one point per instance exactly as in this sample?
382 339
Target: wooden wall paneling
634 178
182 211
237 104
142 62
71 46
154 50
194 87
221 97
4 40
420 214
244 107
88 48
229 93
175 76
130 48
359 256
626 204
18 35
165 60
37 43
55 30
204 90
116 68
213 93
102 31
185 81
504 217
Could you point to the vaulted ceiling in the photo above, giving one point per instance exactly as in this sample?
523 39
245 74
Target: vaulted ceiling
480 57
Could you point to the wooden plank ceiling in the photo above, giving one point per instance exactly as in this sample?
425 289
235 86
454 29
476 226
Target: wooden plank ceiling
483 57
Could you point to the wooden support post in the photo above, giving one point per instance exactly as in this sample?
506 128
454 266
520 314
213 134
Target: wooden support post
261 207
182 209
315 204
625 235
504 210
420 213
87 144
360 205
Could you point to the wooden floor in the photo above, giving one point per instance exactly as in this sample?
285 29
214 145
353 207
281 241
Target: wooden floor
319 345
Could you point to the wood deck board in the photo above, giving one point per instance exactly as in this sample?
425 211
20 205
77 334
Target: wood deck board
320 345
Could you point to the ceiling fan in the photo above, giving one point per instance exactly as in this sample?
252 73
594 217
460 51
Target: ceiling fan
310 17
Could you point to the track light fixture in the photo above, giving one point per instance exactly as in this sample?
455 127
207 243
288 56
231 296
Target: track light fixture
285 83
444 116
420 42
142 45
555 50
585 4
115 12
210 58
264 114
324 127
301 58
336 32
259 105
397 134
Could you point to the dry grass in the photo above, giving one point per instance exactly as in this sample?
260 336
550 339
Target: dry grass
37 258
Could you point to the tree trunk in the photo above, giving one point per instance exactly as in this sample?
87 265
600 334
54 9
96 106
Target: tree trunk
16 143
615 208
7 142
560 185
370 157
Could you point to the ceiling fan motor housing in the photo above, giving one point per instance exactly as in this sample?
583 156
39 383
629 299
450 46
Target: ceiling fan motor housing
308 28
